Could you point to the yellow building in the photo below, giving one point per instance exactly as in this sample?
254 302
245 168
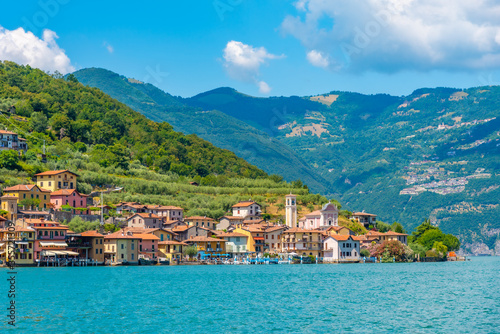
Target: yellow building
23 245
9 204
28 195
121 247
96 244
303 242
250 241
208 245
170 249
56 179
200 221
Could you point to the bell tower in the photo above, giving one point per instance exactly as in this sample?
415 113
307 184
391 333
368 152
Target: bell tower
291 210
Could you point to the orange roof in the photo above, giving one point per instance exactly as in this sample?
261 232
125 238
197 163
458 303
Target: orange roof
345 237
363 214
161 207
146 236
172 242
55 172
7 132
232 217
203 239
66 192
198 218
300 230
230 234
59 227
145 215
182 228
243 204
91 234
121 235
24 187
254 221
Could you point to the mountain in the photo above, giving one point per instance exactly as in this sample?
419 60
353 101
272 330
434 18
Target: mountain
433 153
253 144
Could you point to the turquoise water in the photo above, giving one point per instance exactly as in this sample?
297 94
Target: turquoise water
419 298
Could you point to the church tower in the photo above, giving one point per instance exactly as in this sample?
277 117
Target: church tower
291 210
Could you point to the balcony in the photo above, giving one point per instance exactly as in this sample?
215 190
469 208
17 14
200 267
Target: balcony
218 249
209 249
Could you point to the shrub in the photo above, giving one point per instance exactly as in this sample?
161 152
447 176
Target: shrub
365 252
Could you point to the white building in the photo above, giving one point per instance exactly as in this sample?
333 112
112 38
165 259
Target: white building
291 210
327 216
247 210
364 218
236 243
11 141
338 248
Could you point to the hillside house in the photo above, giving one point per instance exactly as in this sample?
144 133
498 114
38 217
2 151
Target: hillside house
364 218
11 141
145 220
29 196
56 179
247 210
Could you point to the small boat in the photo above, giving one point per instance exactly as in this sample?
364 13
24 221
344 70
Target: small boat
145 262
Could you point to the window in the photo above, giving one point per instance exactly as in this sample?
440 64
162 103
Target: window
56 234
46 233
24 195
41 184
132 256
140 248
123 256
50 183
44 196
96 251
267 235
122 246
132 245
237 238
100 251
272 236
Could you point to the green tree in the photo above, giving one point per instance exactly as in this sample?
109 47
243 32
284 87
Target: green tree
9 159
397 227
382 227
190 251
78 225
38 122
422 228
440 248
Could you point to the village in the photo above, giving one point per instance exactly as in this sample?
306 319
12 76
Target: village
155 234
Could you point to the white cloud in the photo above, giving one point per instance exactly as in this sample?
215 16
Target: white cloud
108 47
394 35
242 62
23 47
264 87
317 59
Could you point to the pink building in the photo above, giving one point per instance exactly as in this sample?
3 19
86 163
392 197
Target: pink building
327 216
69 197
148 245
50 238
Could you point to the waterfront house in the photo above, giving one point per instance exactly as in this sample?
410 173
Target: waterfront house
145 220
379 237
148 245
236 243
364 218
69 197
168 213
302 241
11 141
50 239
24 245
200 221
247 210
327 216
121 247
229 222
208 245
341 248
272 238
89 245
171 249
9 204
56 179
29 196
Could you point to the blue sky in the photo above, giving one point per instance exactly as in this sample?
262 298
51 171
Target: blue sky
263 48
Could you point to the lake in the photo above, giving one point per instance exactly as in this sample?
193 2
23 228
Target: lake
415 297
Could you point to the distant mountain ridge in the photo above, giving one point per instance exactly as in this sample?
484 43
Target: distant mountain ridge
433 153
